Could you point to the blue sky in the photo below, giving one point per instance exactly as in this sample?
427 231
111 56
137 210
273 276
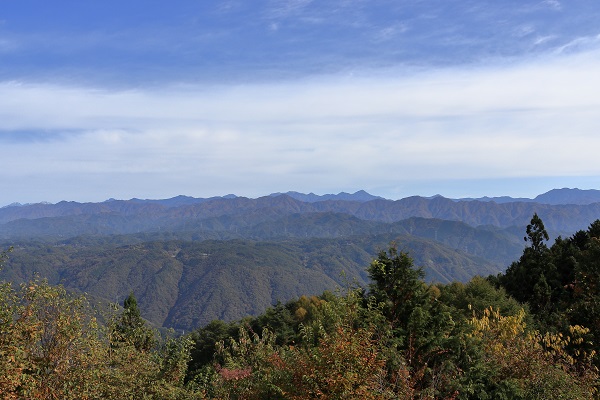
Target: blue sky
150 99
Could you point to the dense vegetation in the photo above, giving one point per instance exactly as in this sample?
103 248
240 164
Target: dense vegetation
530 333
183 284
55 345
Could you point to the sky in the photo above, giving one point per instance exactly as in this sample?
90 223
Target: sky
154 99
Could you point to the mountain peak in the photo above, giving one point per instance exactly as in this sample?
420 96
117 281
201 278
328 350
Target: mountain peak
569 196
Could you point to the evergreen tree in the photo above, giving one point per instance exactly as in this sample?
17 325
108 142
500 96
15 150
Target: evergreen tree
534 277
398 285
584 309
421 327
537 235
131 327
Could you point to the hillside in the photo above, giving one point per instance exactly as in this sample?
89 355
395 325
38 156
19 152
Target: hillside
186 284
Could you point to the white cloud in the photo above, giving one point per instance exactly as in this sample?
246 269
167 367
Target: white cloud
583 43
286 8
543 39
391 31
376 130
553 4
524 30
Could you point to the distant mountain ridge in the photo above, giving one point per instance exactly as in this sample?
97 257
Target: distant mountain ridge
554 197
235 213
569 196
562 196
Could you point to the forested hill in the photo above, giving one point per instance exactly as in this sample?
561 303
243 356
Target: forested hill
186 284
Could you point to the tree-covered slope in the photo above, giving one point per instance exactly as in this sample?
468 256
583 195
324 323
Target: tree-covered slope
185 284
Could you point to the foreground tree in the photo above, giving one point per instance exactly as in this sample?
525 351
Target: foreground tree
521 364
398 285
52 347
560 285
131 327
528 279
49 343
422 333
337 359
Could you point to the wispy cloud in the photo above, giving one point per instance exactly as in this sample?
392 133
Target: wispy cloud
579 44
543 39
392 31
553 4
524 30
537 118
287 8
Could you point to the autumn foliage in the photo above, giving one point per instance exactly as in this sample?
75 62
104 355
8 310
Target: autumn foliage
400 338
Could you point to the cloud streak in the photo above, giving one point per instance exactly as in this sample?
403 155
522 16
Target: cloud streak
378 131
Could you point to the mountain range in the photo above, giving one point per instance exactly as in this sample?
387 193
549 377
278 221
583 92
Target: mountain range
191 260
234 214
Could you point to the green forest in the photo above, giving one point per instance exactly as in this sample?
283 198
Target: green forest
532 332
